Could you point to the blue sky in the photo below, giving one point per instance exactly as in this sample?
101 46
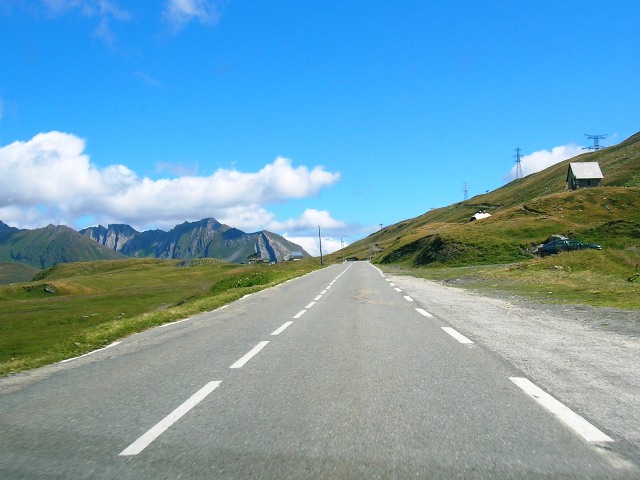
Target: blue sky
286 115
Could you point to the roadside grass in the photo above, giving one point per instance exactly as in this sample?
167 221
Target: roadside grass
75 308
607 278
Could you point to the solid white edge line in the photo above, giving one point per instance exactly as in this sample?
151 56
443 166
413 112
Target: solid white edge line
299 314
143 442
561 411
249 355
282 328
173 323
423 312
457 335
408 298
311 304
90 353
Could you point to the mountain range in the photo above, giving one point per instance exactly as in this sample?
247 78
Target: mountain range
207 238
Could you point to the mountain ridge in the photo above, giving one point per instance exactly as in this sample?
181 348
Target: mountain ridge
206 238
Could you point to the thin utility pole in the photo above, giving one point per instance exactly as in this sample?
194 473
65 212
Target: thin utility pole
320 241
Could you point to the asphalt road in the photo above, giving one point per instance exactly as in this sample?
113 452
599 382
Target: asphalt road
338 374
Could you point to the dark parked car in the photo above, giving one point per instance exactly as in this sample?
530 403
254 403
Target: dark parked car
557 246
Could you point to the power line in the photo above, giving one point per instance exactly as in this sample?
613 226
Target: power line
596 141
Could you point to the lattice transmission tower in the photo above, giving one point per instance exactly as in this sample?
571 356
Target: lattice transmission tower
466 191
596 141
519 173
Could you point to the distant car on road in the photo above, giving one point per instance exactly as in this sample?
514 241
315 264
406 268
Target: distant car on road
557 246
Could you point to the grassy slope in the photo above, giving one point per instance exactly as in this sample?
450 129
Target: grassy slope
620 165
12 272
524 213
44 247
95 303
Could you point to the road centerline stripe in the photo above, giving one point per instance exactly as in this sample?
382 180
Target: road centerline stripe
159 428
311 304
249 355
299 314
457 335
574 421
423 312
282 328
317 298
408 298
397 290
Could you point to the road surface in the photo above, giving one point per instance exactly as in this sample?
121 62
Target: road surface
338 374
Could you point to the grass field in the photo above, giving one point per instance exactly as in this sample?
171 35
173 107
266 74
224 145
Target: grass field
74 308
607 278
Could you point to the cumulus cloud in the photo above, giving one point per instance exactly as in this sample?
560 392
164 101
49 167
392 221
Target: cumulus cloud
310 219
50 177
542 159
312 245
178 13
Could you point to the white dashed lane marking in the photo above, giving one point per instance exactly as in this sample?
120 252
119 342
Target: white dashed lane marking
160 427
282 328
248 356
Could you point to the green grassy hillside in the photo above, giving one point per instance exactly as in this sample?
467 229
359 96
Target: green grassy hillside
47 246
524 213
73 308
12 272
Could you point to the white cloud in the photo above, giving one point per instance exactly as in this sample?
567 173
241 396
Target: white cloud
52 179
542 159
312 245
309 220
180 12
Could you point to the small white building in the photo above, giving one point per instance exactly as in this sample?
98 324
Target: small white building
584 175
